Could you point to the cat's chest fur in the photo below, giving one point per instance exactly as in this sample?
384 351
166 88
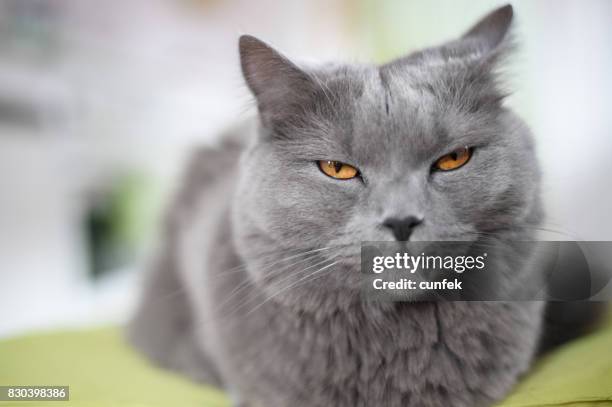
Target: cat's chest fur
403 354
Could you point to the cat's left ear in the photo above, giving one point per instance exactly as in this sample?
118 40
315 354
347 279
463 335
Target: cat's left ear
489 34
279 86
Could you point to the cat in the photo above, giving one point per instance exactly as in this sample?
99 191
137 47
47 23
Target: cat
255 286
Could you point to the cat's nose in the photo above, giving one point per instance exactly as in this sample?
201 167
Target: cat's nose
402 228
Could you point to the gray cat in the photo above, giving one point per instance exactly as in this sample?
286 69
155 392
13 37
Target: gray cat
256 285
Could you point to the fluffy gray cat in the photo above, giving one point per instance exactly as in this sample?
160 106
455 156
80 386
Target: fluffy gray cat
256 285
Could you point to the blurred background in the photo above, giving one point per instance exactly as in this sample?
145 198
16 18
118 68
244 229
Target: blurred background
101 101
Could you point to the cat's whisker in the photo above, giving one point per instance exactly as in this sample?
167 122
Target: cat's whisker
293 285
234 270
253 295
273 274
310 255
565 233
542 228
266 266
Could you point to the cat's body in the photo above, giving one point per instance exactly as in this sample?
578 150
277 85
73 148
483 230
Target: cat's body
339 351
255 288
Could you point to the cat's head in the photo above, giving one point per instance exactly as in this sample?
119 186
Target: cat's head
420 148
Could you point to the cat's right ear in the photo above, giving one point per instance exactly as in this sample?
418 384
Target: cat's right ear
492 31
277 83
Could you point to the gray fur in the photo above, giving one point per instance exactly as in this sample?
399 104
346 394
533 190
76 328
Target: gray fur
234 300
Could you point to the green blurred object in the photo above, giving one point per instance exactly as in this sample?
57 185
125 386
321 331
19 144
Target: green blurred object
118 224
102 370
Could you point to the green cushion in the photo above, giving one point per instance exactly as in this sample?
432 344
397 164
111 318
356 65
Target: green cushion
102 370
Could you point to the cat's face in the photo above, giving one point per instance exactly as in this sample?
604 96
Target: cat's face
392 124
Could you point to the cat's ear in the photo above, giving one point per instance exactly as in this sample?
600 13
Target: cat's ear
276 82
490 32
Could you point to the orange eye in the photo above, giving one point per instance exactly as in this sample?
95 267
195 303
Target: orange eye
454 160
338 170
